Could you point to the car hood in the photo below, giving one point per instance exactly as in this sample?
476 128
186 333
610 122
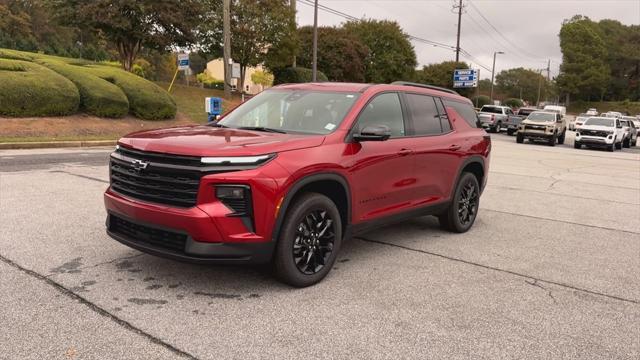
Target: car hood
201 140
532 122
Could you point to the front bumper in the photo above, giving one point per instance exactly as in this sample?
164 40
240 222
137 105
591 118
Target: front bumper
192 251
189 235
594 140
535 135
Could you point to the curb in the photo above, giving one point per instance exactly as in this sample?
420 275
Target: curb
56 144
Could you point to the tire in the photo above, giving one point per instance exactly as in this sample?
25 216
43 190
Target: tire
304 214
510 132
610 148
498 128
626 143
462 201
577 145
562 137
619 145
519 138
552 141
635 142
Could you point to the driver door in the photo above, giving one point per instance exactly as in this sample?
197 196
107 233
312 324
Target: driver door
382 172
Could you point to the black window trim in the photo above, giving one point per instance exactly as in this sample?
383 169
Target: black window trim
403 107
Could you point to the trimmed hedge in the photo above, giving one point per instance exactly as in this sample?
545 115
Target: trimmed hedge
146 99
513 103
97 97
99 89
481 100
29 89
296 75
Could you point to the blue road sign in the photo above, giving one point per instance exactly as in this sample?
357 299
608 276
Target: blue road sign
465 78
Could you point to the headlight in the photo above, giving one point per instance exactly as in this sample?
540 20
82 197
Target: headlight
237 160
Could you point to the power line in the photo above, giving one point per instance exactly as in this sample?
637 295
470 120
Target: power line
515 46
353 18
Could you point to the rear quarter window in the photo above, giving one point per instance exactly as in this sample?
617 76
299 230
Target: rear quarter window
465 110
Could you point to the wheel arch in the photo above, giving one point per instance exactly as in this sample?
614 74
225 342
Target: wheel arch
333 185
475 165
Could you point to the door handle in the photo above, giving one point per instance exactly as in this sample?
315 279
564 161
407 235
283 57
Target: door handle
405 152
455 147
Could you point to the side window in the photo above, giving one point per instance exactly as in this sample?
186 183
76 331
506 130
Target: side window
424 114
465 110
444 117
384 109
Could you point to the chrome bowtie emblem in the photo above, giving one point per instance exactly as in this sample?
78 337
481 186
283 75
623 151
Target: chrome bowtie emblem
139 165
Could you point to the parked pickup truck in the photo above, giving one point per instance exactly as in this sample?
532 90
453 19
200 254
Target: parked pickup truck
494 118
543 125
514 121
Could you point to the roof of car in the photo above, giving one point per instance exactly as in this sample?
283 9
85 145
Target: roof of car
359 87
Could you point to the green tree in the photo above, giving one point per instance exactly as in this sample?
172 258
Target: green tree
391 56
263 78
623 57
521 83
441 74
584 72
260 30
133 25
341 55
29 25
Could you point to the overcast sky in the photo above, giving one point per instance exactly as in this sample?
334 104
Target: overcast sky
528 29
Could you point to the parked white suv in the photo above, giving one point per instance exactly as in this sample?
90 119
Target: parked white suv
606 132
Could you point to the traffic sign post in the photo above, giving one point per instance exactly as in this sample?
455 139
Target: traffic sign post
183 64
465 78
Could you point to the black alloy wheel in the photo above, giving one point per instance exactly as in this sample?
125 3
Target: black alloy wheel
314 242
309 240
464 207
468 203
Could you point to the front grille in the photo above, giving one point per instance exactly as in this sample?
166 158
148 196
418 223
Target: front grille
599 133
535 127
146 235
155 183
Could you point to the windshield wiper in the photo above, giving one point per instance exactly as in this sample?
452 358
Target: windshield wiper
262 128
217 125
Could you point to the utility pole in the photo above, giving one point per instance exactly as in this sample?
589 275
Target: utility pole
226 30
314 76
539 86
493 70
295 28
459 23
549 70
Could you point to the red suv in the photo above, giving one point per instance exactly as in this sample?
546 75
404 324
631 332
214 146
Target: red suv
292 173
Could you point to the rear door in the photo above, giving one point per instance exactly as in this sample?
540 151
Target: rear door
437 149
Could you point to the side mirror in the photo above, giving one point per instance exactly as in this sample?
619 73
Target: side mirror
559 120
373 133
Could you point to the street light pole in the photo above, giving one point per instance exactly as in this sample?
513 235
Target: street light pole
314 74
493 70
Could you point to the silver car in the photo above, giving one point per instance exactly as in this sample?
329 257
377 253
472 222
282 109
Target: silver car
630 131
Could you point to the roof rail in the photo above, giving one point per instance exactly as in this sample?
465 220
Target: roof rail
425 86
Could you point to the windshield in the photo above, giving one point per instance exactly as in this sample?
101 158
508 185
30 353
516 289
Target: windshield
599 122
310 112
525 111
540 116
491 109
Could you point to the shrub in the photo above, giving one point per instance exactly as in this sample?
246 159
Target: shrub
103 89
97 96
513 103
263 78
142 68
146 99
210 82
28 89
296 75
480 101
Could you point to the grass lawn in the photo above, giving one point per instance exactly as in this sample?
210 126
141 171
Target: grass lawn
190 100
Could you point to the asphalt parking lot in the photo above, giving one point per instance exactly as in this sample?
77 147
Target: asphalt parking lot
550 270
